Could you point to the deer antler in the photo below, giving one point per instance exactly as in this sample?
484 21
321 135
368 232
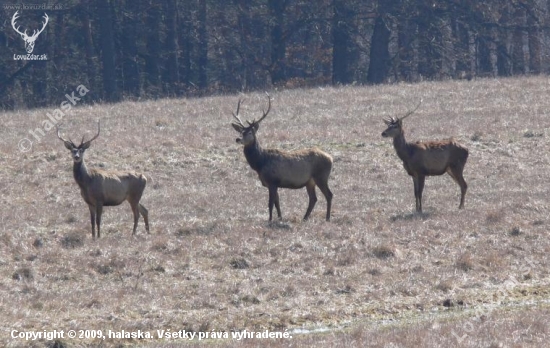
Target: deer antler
268 109
411 112
264 112
43 27
239 122
62 139
34 33
13 19
94 138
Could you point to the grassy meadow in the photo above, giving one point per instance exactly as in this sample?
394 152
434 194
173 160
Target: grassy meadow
378 274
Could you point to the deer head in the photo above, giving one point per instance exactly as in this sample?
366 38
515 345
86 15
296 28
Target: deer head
248 133
29 40
395 124
78 151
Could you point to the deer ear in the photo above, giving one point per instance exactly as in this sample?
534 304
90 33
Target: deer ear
237 127
256 126
68 145
85 145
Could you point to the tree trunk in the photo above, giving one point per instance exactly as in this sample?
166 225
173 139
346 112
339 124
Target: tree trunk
278 46
535 45
341 41
448 62
504 45
152 59
203 46
130 66
493 56
107 51
407 58
472 53
185 42
171 76
379 52
91 61
246 44
519 61
39 96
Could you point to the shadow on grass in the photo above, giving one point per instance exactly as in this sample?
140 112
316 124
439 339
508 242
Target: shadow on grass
279 225
411 216
204 229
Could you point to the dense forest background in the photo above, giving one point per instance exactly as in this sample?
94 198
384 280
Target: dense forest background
132 49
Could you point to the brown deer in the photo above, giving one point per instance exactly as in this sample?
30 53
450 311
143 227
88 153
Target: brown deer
428 158
281 169
102 188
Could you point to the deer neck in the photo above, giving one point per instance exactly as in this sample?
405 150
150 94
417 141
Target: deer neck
401 147
254 155
81 173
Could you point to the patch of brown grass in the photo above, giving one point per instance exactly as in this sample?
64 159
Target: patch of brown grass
384 251
445 285
465 262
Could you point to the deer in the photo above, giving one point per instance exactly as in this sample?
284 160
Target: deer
428 158
103 188
29 40
284 169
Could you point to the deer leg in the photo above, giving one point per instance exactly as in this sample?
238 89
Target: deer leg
135 211
310 187
272 195
99 211
421 181
415 181
92 219
418 188
463 189
277 205
456 174
328 195
145 213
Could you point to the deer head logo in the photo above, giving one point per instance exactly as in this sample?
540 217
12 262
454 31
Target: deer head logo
29 40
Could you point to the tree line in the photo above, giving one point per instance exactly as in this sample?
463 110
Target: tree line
140 49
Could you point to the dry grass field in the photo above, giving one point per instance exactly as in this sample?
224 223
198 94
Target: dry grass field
377 274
